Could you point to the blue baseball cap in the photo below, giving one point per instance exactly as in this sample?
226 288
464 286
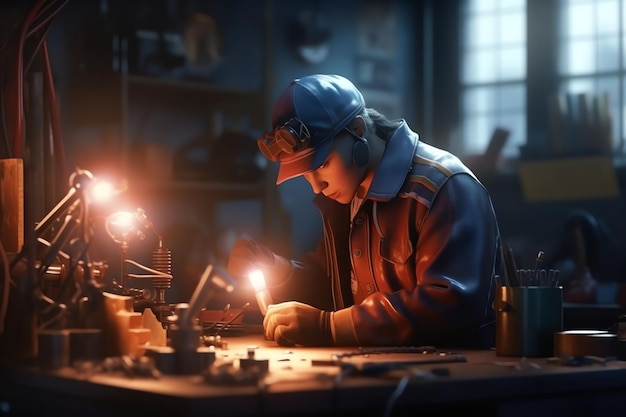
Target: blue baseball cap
325 104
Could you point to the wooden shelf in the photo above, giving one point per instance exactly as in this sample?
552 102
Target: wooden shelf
230 190
164 87
143 90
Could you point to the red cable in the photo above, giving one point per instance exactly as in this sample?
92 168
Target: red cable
58 150
18 139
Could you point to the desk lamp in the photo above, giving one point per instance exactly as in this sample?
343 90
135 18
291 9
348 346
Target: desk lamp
122 227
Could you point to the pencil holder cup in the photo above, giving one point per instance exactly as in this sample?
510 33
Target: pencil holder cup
526 320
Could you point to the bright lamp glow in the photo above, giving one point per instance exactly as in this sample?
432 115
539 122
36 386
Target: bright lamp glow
102 191
257 279
119 225
263 296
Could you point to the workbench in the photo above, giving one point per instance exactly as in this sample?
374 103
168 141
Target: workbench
328 381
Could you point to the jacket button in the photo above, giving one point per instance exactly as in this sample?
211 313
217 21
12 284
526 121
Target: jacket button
357 253
358 220
369 288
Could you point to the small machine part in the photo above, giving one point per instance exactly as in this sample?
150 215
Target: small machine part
162 262
186 355
122 227
215 341
253 364
211 331
133 367
185 341
230 374
168 362
53 348
53 272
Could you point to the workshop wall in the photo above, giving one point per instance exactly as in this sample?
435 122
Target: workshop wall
389 76
347 22
339 31
260 48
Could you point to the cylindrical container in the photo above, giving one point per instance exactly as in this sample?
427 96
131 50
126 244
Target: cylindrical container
185 341
85 345
53 348
581 342
526 320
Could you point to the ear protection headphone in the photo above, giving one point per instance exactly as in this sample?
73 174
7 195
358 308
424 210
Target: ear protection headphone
360 149
288 138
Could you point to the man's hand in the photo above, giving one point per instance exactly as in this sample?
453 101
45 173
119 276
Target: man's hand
293 323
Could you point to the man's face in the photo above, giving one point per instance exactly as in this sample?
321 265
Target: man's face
338 178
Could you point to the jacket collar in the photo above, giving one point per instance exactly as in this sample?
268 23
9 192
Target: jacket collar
395 164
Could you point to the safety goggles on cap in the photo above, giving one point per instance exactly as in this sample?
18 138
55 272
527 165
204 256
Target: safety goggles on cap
288 138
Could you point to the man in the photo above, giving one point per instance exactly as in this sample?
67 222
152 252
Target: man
411 242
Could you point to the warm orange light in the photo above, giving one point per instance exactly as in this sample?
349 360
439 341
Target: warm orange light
257 279
102 191
119 225
122 219
263 296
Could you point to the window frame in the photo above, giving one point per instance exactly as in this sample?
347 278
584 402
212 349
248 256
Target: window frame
542 78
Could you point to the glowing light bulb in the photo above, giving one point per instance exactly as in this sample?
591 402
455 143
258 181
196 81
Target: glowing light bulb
102 191
263 296
119 225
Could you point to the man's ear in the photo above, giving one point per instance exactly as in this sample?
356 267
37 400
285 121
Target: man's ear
358 126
